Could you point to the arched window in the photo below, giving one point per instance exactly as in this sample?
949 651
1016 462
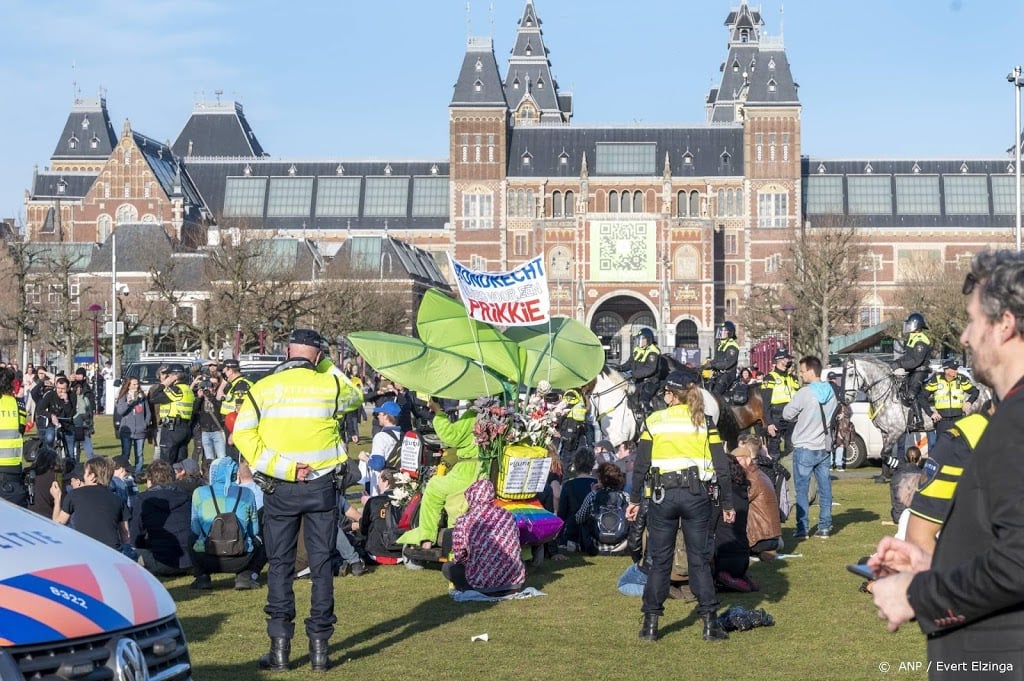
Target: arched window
694 204
570 204
127 213
638 202
730 206
511 204
625 202
613 201
528 209
681 203
103 227
686 334
721 202
556 204
739 202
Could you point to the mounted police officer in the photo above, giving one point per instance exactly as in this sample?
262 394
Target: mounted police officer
950 393
173 399
913 363
12 431
679 457
777 389
288 431
644 367
727 356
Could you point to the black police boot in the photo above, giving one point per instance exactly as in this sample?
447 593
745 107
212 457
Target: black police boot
276 660
649 628
318 654
713 631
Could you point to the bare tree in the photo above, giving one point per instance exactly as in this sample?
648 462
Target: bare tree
65 327
19 311
933 288
818 277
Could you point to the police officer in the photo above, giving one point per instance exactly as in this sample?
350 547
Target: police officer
727 356
233 389
572 427
777 389
950 393
644 367
288 431
914 364
12 430
679 456
173 399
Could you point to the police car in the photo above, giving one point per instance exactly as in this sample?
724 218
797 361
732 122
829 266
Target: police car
71 608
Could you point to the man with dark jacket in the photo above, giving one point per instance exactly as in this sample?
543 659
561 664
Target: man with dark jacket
160 524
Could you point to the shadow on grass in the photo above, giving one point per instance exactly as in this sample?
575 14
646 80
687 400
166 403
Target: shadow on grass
852 517
431 613
201 628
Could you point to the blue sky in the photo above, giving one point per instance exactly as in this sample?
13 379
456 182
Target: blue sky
354 80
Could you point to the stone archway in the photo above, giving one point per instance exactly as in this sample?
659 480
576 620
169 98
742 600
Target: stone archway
618 318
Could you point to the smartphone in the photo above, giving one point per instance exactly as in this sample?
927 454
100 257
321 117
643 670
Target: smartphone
862 571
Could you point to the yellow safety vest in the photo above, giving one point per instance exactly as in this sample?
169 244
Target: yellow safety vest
783 387
948 394
12 424
180 406
233 396
677 444
918 337
970 429
292 417
727 343
640 354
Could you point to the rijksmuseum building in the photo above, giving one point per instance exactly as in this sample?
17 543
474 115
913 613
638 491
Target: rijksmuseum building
666 227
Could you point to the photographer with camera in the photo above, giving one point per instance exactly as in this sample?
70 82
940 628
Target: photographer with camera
212 439
174 401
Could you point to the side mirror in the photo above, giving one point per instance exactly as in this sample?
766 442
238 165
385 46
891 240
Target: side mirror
117 383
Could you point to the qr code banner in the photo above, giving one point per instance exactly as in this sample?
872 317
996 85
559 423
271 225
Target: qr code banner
623 250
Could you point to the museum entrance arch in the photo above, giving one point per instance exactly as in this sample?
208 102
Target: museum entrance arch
687 342
617 320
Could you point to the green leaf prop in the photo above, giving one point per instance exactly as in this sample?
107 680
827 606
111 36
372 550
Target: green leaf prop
461 358
564 353
427 370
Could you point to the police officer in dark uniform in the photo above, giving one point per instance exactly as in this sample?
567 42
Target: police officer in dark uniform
949 393
679 457
777 389
727 356
12 431
173 400
644 367
288 431
914 364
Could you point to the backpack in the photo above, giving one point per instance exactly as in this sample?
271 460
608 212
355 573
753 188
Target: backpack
225 537
608 517
394 458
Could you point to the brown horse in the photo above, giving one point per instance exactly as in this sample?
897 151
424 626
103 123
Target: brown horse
735 418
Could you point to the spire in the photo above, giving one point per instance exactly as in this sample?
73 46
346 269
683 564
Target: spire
88 133
479 82
529 62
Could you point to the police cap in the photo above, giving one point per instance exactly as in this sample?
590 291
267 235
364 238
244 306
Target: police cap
174 369
305 337
951 364
781 353
682 379
230 364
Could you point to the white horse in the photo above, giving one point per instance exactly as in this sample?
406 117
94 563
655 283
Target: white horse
887 412
609 403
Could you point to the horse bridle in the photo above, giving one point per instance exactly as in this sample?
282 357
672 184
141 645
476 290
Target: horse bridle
596 394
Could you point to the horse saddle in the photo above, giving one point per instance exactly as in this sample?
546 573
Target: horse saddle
738 393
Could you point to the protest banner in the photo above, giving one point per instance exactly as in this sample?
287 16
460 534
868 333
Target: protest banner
518 297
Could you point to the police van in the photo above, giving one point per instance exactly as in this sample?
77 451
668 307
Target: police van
72 608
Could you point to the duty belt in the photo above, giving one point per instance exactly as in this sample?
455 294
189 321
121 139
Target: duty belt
679 478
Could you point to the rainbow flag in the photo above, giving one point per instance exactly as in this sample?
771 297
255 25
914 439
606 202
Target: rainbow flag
536 525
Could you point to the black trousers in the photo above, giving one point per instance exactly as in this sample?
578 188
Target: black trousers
662 524
316 503
174 443
12 489
784 431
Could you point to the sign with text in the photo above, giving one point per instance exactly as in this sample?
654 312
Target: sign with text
515 298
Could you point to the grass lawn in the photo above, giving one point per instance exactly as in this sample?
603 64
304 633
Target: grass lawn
394 622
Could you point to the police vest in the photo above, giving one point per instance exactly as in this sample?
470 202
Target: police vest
180 406
234 394
783 387
948 395
727 343
918 337
969 430
292 417
641 354
12 422
677 444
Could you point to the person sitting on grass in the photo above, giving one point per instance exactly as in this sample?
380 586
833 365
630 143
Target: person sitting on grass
485 546
161 523
92 508
379 522
764 528
208 501
574 492
595 519
732 551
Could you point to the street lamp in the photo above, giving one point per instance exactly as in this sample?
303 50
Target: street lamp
1018 82
789 309
238 340
95 310
262 338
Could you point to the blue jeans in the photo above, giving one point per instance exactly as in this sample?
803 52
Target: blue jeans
805 463
214 444
128 443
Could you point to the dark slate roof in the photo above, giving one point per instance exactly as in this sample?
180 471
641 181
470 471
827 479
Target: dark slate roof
748 76
528 66
173 179
140 246
88 123
479 82
410 261
47 185
210 176
77 255
217 129
892 167
188 271
546 144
